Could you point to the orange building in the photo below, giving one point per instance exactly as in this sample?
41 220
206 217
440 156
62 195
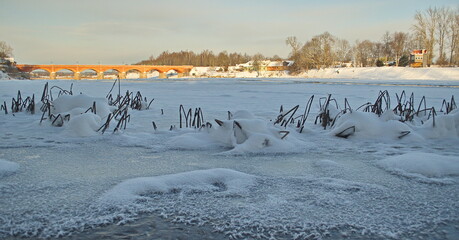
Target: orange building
418 58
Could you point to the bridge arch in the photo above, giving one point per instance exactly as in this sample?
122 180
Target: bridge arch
111 73
39 73
100 69
151 73
64 73
133 73
89 73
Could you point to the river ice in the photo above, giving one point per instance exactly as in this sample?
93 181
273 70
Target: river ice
310 185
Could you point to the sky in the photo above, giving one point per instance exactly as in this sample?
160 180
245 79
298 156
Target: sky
125 32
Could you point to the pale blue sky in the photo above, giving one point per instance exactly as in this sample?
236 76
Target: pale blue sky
117 32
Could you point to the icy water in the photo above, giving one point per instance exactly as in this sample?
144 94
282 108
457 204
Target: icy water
325 188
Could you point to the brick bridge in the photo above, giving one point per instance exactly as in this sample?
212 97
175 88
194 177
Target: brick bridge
100 69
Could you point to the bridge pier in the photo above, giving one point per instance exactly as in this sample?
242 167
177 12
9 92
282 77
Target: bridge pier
122 75
52 75
143 75
162 75
77 76
100 75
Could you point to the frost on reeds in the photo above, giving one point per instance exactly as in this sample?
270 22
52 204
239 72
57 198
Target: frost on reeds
378 118
85 115
372 119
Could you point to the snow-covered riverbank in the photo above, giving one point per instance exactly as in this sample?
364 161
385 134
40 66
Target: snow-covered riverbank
244 177
364 73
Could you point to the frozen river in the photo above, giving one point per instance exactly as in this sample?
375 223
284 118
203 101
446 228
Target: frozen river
188 183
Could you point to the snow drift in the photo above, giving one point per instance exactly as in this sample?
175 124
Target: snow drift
418 164
369 125
385 73
86 113
4 76
218 179
244 133
78 104
7 168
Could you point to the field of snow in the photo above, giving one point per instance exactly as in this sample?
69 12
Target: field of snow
363 73
385 73
250 173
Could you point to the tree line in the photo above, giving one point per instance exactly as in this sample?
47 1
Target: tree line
205 58
435 29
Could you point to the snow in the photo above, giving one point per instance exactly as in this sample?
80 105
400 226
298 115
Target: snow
4 76
445 126
363 73
385 73
7 168
200 180
369 125
78 104
245 178
243 133
427 164
85 124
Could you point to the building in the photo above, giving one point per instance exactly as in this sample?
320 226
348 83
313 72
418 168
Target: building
418 58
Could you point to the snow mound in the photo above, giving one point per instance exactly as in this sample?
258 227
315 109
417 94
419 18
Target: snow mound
84 125
369 125
418 164
4 76
218 179
7 168
83 122
244 133
78 104
443 126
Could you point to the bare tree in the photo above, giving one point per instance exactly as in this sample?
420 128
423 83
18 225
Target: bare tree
387 48
319 51
442 32
424 28
453 27
398 45
364 53
292 41
257 62
343 50
5 50
296 55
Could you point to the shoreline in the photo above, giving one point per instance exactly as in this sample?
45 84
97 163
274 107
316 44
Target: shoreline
355 73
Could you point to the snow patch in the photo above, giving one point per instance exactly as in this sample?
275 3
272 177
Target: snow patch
218 179
369 125
84 125
78 104
7 168
244 133
418 164
82 122
443 126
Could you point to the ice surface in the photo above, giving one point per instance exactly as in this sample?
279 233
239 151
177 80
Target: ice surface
194 181
426 164
7 168
307 185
